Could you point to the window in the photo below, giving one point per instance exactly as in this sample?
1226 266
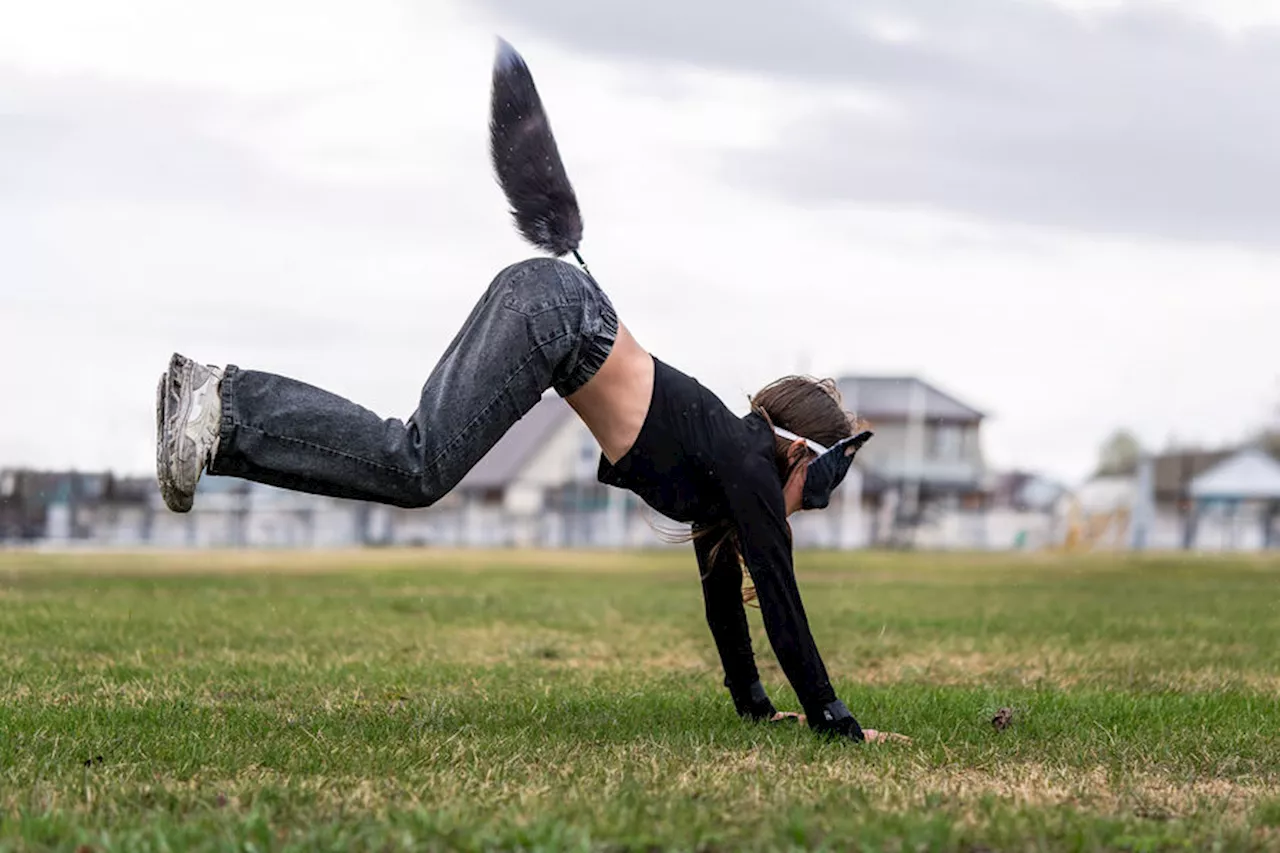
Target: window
948 442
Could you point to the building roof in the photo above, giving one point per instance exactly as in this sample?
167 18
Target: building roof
1248 475
504 462
1174 472
891 397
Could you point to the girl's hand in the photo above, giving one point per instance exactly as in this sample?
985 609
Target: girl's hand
874 736
871 735
786 717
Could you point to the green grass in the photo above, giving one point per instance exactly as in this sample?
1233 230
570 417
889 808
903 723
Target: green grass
391 700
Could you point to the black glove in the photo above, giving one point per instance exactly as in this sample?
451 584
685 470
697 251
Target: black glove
753 703
836 721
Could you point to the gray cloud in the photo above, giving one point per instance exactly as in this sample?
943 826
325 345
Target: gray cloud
87 139
1141 121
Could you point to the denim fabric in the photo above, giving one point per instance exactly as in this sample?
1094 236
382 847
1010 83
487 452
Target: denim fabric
542 324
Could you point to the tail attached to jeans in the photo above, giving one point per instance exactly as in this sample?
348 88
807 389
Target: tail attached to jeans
527 161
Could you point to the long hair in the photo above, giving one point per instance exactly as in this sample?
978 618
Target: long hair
526 160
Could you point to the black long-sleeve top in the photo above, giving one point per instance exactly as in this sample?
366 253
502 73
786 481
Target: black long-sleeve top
695 461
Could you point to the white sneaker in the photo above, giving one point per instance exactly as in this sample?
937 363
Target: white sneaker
188 419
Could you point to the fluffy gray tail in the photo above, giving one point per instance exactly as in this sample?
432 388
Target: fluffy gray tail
527 161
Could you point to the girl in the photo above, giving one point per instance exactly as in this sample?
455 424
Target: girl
543 324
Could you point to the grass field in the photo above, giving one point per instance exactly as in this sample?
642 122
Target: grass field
573 701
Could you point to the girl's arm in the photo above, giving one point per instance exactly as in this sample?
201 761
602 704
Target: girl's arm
764 537
722 592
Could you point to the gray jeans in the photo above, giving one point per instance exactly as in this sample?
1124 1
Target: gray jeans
541 324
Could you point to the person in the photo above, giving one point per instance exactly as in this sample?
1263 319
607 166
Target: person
544 324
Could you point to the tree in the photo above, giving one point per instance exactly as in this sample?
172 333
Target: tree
1119 455
1269 441
1268 438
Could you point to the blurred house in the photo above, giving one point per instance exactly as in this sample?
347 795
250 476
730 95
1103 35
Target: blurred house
536 487
1225 499
236 513
922 434
921 482
925 464
67 506
24 505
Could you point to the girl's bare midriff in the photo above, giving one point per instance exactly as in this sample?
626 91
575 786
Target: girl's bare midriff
614 403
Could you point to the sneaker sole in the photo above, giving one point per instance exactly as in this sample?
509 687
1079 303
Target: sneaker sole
162 479
173 437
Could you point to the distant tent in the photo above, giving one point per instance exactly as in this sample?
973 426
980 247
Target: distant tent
1250 475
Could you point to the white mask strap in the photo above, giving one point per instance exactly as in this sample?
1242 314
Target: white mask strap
810 443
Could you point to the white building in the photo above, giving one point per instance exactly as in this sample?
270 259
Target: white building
1226 500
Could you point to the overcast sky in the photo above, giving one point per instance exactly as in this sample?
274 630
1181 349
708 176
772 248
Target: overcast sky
1066 214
